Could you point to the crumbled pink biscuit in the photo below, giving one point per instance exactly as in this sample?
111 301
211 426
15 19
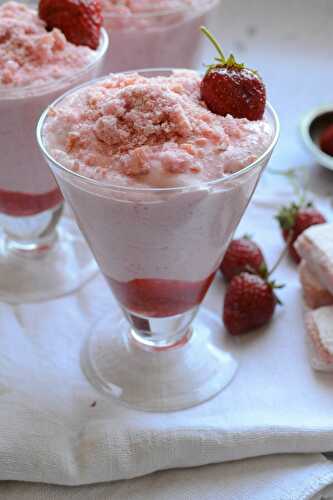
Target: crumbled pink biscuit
31 55
315 246
151 131
314 294
319 326
137 163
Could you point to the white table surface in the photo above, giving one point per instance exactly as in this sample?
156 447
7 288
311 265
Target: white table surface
290 43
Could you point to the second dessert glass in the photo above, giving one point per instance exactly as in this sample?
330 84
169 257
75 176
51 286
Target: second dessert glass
39 258
157 38
159 250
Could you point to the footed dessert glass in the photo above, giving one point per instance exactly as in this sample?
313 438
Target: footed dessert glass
159 250
40 257
169 38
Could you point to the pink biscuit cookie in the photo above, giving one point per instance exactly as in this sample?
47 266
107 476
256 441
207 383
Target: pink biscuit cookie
315 246
319 326
314 294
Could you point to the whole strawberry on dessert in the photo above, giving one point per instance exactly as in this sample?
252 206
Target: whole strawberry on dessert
294 219
79 20
242 255
230 88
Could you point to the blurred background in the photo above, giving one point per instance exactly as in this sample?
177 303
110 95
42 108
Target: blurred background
289 42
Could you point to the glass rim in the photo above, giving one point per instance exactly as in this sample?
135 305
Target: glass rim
167 12
109 185
7 93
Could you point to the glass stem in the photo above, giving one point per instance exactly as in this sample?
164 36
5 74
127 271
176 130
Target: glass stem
159 334
35 236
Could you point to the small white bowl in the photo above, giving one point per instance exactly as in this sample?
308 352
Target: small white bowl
312 125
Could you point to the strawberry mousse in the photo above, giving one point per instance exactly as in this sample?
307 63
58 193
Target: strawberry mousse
131 7
137 131
30 55
122 139
36 66
154 33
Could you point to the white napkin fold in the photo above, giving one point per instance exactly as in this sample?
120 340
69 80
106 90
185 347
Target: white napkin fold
52 431
284 477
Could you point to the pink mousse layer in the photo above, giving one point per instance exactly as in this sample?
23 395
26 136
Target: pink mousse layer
154 33
131 131
30 55
152 132
134 7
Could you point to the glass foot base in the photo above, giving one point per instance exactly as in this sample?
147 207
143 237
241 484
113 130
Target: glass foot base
117 366
63 269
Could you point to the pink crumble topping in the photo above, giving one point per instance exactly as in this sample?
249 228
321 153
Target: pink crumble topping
30 55
132 130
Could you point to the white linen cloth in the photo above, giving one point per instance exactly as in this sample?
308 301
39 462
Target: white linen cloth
284 477
51 431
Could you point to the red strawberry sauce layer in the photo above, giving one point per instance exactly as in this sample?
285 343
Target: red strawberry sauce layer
160 298
27 204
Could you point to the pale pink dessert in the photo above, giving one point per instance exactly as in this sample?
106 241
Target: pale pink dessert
30 55
315 295
136 131
35 67
154 33
130 134
132 7
315 246
319 326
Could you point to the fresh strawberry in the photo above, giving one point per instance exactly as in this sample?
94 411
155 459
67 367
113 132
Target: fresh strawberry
229 88
326 140
294 219
249 303
242 255
79 20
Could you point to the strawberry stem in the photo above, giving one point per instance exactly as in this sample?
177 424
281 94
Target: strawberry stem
282 255
210 37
